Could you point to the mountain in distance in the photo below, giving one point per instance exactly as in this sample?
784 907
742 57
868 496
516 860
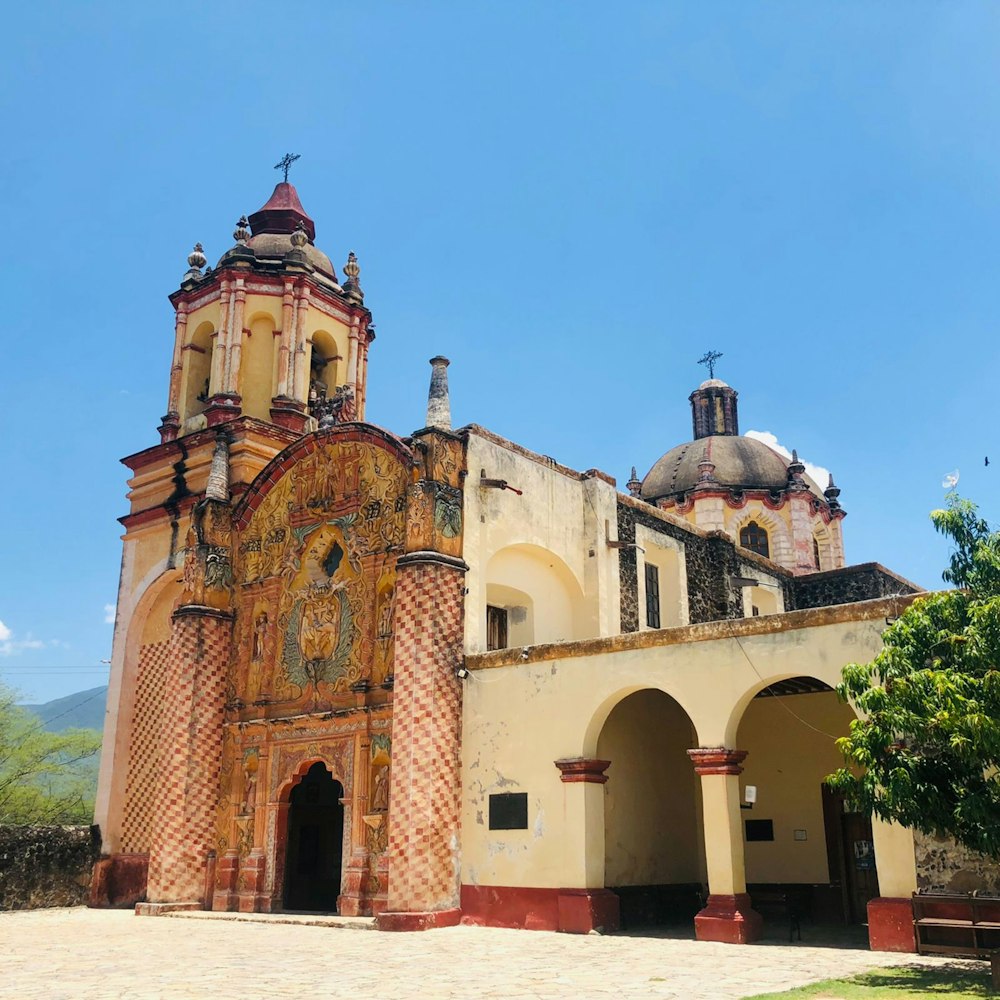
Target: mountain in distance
83 710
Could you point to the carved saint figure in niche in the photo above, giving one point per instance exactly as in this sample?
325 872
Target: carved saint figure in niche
259 635
380 790
250 785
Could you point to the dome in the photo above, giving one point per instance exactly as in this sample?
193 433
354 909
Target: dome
740 463
275 223
274 246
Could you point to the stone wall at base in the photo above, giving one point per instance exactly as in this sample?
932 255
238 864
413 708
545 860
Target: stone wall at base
45 866
945 866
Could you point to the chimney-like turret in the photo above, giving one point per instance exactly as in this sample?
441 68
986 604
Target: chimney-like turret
438 404
713 409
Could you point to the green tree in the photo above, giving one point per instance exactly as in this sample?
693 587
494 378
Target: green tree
45 778
926 750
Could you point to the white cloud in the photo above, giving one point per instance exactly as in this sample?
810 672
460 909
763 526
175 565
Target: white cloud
109 614
817 473
9 645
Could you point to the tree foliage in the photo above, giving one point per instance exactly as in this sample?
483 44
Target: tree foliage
45 778
925 751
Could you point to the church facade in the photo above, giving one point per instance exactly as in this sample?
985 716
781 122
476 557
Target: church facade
439 677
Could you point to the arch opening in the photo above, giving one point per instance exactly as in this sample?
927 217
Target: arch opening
324 367
314 837
800 841
541 596
654 856
198 370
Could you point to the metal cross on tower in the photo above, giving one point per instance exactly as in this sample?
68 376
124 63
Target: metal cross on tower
285 162
709 361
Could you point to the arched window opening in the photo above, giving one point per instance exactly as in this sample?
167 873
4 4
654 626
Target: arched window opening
754 538
819 565
198 370
323 367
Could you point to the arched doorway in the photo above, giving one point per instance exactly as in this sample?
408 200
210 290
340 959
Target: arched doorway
653 841
805 852
315 840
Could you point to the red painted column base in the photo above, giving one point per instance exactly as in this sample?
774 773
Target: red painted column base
119 881
425 921
729 919
584 910
289 413
890 924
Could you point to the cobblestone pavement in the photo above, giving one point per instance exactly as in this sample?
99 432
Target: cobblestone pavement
81 954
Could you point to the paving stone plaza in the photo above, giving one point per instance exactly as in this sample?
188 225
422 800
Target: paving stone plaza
80 954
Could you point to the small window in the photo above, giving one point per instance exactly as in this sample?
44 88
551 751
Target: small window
496 627
760 829
754 611
652 596
816 552
754 538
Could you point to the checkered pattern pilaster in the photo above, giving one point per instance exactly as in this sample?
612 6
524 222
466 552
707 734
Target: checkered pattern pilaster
426 732
144 748
190 753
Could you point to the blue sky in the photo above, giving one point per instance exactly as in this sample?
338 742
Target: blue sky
570 200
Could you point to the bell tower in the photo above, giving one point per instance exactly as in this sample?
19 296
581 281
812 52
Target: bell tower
269 333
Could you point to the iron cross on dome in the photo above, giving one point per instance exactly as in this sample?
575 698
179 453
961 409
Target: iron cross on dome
709 361
285 162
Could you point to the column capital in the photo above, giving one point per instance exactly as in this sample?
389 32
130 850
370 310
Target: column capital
588 769
717 760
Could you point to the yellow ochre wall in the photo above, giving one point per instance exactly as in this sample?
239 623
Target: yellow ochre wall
520 718
652 802
787 762
549 542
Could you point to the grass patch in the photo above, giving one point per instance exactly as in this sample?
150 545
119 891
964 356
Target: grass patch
957 982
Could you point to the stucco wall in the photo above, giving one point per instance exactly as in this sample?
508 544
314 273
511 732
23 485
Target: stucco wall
548 542
521 717
788 760
652 802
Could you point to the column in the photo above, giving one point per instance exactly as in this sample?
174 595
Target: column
727 915
171 421
188 777
424 803
237 333
890 915
591 906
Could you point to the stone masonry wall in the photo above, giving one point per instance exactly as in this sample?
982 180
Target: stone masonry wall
709 563
943 865
45 866
864 582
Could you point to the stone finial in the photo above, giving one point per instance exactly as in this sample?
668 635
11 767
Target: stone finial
706 469
196 258
242 231
832 493
299 236
634 485
218 475
796 471
196 261
438 403
352 286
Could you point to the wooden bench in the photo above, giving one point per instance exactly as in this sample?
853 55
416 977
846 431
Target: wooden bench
772 901
946 923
